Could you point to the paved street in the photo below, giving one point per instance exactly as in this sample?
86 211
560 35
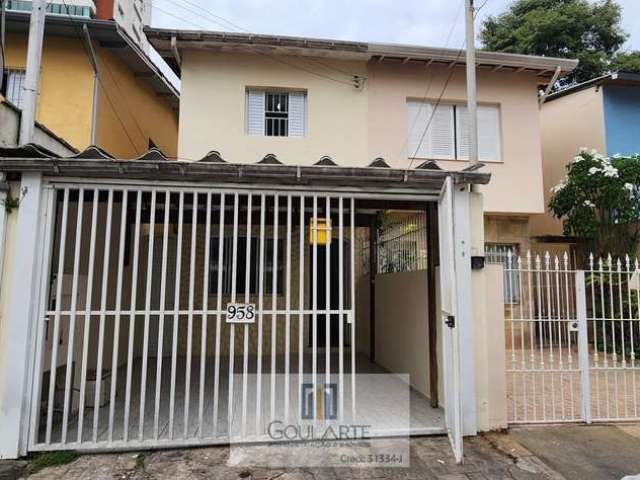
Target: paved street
568 452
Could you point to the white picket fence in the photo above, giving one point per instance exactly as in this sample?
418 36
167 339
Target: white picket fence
573 339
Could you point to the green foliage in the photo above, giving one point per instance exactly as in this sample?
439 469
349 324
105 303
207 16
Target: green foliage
599 202
51 459
582 29
626 62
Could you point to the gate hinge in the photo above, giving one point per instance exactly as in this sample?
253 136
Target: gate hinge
450 321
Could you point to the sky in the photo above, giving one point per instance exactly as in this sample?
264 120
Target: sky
422 22
436 23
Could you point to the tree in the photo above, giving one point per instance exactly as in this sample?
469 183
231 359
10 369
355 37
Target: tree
581 29
599 202
626 62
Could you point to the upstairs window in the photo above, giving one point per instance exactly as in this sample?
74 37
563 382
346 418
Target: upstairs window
12 86
276 113
441 132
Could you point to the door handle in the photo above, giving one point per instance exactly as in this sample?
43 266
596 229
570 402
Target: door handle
450 321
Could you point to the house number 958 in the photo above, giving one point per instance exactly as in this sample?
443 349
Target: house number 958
241 312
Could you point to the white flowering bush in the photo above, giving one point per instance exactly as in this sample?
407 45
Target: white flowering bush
599 201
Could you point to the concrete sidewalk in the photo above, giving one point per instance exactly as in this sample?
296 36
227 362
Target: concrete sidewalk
430 458
568 452
580 452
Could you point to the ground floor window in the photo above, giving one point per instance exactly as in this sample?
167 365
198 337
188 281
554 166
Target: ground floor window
505 254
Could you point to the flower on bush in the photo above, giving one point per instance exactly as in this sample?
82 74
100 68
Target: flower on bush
599 201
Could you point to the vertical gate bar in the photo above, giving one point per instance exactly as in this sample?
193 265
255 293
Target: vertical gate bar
547 268
147 308
216 378
560 323
509 299
523 356
569 348
49 199
162 306
87 317
583 345
341 306
287 327
274 305
232 329
176 314
353 307
327 295
314 309
103 308
263 209
596 359
192 275
623 362
540 316
633 353
132 316
205 316
247 295
116 331
532 327
301 306
614 350
605 356
56 322
72 320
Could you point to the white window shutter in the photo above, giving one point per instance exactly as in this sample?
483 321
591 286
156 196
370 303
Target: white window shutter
462 132
418 114
255 112
15 83
489 133
440 134
297 114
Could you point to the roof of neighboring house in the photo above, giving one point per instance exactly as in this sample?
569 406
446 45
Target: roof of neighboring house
108 35
618 78
153 165
162 40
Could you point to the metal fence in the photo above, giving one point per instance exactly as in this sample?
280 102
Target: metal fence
402 242
572 339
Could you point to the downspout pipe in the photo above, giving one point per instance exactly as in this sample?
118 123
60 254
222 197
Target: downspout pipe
96 81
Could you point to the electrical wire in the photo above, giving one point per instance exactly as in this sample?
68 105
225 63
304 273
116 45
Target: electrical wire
106 92
428 87
217 20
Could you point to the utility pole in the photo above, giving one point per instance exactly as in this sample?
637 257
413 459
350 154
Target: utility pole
472 103
32 75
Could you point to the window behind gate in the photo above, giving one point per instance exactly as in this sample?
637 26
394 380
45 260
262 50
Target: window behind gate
505 254
241 266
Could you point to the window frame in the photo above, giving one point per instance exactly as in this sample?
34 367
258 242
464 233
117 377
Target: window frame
455 132
296 119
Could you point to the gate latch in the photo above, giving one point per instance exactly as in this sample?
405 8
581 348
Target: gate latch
450 321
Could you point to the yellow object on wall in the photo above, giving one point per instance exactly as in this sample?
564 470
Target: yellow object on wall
323 233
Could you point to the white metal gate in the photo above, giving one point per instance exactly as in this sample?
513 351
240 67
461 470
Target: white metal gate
572 340
160 302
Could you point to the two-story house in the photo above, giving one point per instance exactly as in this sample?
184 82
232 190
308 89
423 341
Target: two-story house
320 224
600 114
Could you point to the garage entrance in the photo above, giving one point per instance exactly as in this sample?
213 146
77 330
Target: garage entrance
186 316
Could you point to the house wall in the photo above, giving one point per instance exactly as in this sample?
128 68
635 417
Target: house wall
568 123
66 85
402 330
65 104
516 182
212 109
621 119
130 113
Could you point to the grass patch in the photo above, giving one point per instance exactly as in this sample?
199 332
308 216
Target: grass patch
140 459
50 459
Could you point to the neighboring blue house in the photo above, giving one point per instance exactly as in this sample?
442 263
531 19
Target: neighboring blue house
601 114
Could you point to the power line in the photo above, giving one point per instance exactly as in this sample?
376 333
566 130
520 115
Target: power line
428 88
235 27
